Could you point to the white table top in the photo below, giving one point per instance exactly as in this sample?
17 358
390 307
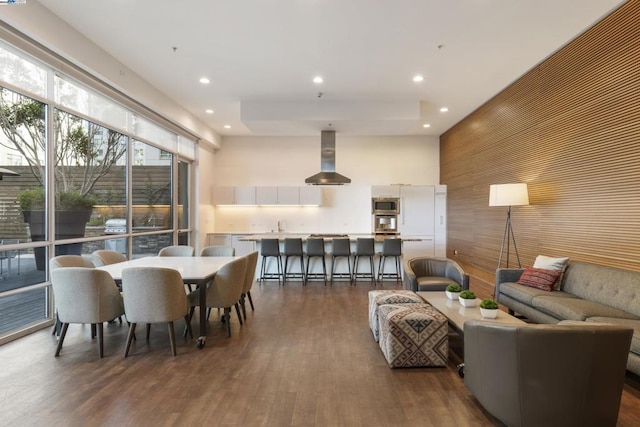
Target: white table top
458 314
193 269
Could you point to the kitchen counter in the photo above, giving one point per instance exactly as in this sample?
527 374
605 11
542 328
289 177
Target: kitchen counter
328 236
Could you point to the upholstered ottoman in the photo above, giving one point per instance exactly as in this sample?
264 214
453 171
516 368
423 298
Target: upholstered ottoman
413 335
377 298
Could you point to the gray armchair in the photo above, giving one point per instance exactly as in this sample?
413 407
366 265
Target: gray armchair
433 274
547 375
85 295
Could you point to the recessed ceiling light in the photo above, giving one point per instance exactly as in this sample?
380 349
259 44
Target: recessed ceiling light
444 109
418 78
208 111
204 80
227 126
426 125
318 80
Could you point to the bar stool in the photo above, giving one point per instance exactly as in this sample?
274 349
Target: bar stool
341 248
315 248
364 248
270 248
390 248
293 248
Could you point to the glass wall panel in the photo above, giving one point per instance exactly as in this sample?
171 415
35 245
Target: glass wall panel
151 180
150 244
22 196
23 309
90 183
183 195
79 98
150 131
22 73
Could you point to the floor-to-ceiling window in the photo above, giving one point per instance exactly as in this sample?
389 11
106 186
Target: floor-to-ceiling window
78 172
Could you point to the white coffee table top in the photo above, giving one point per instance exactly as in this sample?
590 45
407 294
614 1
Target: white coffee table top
457 314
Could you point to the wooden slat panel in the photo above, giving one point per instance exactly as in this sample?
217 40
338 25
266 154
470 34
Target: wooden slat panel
570 128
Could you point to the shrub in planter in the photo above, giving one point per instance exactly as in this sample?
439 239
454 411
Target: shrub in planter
467 299
489 308
453 290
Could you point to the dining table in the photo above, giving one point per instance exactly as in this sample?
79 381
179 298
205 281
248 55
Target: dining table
196 270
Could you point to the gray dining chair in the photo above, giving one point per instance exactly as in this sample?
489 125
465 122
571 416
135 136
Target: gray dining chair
178 250
103 257
85 295
252 263
224 291
218 251
61 261
154 295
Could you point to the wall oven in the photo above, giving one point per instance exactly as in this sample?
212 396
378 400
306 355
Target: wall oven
385 206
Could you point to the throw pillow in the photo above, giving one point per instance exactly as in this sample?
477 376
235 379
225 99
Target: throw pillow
549 263
539 278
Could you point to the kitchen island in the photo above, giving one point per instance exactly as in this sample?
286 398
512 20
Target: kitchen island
411 245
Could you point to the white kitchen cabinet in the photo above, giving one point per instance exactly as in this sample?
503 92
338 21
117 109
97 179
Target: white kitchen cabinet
266 195
231 240
242 248
234 195
289 196
417 210
224 196
385 191
440 210
218 239
417 248
311 195
245 195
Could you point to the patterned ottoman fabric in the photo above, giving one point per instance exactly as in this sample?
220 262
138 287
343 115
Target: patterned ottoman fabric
377 298
413 335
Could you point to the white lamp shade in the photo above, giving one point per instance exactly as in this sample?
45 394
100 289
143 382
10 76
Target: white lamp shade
508 195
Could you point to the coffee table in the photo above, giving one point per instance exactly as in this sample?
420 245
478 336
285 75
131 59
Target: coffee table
458 314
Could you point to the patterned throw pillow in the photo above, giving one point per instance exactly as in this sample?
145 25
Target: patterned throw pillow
549 263
539 278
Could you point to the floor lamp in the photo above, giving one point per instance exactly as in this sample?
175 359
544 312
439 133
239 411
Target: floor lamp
508 195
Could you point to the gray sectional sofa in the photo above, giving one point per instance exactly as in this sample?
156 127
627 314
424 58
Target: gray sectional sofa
588 292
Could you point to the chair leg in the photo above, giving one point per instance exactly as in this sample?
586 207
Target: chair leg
148 331
237 306
93 331
172 338
227 319
63 333
371 264
100 328
243 305
130 335
250 300
187 320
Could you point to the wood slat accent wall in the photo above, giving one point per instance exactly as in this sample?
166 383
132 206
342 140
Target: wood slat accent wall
570 129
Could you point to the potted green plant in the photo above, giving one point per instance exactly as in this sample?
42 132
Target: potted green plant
467 299
489 308
453 290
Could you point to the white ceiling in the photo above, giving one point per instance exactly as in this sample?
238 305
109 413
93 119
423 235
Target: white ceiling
261 56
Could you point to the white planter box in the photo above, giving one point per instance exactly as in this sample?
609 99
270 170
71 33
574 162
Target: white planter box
468 302
452 295
489 313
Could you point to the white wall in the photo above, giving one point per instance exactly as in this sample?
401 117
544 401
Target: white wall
289 160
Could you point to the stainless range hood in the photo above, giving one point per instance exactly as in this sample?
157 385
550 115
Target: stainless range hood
327 174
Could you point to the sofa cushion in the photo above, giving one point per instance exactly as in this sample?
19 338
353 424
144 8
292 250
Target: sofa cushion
525 294
539 278
434 283
611 286
635 324
576 308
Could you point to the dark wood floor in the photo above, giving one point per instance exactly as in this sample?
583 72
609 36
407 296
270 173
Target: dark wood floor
304 357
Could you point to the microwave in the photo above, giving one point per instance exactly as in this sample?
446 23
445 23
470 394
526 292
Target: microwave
386 205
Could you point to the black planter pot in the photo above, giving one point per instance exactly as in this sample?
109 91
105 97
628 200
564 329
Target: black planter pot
69 225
